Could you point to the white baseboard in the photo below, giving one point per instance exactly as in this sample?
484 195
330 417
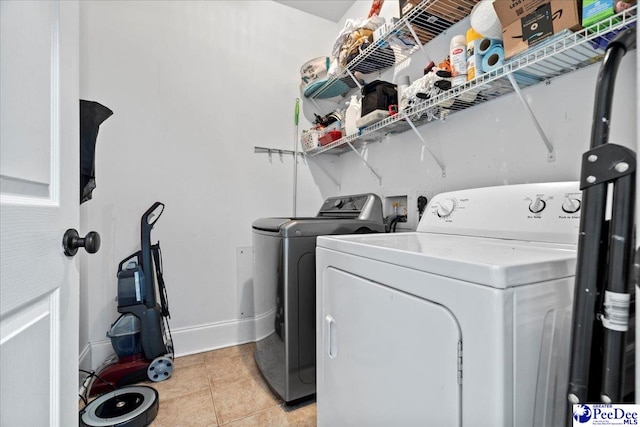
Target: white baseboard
100 350
84 363
84 360
201 338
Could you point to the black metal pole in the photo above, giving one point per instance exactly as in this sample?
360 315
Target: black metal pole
588 269
617 298
586 291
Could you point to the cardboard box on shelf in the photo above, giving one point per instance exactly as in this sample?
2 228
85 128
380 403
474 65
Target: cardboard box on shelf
436 16
509 11
423 35
452 10
548 18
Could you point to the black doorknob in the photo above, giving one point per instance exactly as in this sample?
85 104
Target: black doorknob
71 241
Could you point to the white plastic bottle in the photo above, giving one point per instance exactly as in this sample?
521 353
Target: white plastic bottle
352 114
458 60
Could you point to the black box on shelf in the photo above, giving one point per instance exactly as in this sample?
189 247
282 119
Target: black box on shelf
378 95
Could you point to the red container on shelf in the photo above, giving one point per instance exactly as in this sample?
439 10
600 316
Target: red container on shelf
329 137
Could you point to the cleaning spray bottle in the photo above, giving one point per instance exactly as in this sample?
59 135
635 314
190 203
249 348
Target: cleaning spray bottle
474 60
458 60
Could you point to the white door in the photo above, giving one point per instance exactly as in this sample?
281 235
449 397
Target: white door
39 198
386 358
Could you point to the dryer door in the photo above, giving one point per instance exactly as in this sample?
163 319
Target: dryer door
388 358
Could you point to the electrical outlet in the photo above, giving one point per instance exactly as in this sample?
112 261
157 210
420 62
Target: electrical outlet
414 217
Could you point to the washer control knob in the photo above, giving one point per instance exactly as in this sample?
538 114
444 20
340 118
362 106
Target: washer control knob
571 205
338 203
446 207
537 205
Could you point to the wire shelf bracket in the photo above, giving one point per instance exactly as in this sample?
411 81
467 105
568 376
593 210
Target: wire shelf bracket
424 143
316 104
551 155
354 78
325 171
418 42
365 162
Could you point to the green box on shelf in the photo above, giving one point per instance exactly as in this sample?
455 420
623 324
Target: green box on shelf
594 11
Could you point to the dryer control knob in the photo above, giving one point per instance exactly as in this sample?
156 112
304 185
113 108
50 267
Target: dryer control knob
537 205
571 205
446 208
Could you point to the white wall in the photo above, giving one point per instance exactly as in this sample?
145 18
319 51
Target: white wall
194 86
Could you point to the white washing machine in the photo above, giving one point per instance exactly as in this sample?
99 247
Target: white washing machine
465 322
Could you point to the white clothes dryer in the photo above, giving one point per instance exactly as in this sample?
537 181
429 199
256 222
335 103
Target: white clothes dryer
465 322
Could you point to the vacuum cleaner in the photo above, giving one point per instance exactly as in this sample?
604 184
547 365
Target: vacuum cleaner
602 343
141 338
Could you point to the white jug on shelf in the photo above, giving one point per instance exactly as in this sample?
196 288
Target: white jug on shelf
352 114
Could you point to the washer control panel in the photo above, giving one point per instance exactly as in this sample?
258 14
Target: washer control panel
359 206
538 212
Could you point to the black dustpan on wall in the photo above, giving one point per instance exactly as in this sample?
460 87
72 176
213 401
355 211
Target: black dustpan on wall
92 114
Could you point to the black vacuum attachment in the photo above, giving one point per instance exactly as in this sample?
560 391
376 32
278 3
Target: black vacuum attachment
601 360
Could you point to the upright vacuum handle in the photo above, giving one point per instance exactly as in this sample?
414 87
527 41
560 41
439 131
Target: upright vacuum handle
149 218
605 83
153 214
124 262
626 39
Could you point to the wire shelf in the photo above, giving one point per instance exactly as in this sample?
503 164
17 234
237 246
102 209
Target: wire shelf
427 20
559 55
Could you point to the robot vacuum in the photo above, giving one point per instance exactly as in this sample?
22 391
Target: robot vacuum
134 406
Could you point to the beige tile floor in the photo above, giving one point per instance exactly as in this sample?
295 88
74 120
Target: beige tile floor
224 388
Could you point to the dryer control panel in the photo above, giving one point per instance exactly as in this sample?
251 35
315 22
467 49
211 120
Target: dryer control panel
545 212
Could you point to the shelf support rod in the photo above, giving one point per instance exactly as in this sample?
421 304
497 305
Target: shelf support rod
444 172
417 39
323 169
551 155
315 103
354 78
365 162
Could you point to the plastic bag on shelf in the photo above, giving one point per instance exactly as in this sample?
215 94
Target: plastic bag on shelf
352 25
353 36
434 82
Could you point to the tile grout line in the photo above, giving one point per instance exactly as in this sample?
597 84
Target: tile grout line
251 415
211 391
254 374
251 375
